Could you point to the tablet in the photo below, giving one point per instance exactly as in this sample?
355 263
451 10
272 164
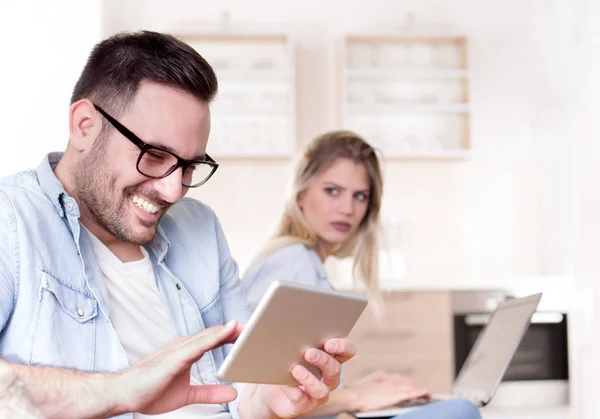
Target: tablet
289 319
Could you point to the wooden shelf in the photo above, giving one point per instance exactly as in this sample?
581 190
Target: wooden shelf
229 37
252 75
392 73
220 157
392 38
428 155
254 113
407 108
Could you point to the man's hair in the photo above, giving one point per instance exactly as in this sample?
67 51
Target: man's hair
117 66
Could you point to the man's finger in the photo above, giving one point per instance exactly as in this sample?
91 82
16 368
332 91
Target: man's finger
208 339
313 387
218 335
211 394
342 349
297 397
329 366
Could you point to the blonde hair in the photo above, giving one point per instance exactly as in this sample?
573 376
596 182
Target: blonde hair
363 246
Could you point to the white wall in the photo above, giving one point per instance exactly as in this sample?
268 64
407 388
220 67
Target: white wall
492 217
468 220
44 47
585 198
499 215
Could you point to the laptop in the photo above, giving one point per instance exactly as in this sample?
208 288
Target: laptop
487 361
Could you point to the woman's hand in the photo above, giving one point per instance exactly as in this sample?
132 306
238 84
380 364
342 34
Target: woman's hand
380 390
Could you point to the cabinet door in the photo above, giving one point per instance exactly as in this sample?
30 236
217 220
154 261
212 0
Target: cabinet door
412 336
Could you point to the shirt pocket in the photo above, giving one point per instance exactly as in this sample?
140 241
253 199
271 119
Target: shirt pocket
65 326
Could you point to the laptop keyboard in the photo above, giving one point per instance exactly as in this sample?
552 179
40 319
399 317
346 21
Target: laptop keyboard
420 401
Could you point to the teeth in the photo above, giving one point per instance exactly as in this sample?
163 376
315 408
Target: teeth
145 205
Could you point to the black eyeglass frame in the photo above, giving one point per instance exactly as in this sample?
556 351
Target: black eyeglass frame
145 147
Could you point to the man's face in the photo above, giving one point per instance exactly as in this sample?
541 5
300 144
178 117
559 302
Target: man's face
109 189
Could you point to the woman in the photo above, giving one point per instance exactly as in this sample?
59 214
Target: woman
334 211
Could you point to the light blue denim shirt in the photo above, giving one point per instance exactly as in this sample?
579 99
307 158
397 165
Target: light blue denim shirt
54 305
293 263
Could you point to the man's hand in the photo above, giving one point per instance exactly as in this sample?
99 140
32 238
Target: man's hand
161 382
261 401
158 384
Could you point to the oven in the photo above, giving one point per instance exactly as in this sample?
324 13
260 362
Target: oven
538 373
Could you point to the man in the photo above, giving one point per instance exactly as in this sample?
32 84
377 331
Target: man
113 289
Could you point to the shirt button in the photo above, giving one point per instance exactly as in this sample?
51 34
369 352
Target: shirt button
70 206
178 286
80 312
160 247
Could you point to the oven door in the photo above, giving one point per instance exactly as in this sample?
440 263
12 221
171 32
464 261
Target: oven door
538 372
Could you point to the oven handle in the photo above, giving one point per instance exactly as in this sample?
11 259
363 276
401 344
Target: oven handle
538 318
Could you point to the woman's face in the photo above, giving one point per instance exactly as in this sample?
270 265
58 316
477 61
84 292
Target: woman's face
336 202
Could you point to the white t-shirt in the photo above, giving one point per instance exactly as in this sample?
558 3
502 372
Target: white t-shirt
140 318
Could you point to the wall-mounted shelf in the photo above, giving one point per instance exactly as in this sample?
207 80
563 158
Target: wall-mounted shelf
251 75
393 73
429 155
258 156
379 109
254 114
408 95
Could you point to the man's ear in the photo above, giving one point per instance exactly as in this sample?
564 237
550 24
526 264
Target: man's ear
85 124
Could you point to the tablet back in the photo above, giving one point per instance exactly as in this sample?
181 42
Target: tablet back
289 319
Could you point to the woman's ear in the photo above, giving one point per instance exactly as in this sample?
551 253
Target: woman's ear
85 125
300 199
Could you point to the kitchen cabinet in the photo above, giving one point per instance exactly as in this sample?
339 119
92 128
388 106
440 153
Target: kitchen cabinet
413 336
408 95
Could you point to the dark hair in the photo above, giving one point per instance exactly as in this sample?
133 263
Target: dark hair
117 66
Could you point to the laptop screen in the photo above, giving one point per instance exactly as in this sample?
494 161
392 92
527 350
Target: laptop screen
490 356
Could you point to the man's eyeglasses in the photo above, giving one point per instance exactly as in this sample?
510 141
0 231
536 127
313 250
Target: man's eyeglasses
157 163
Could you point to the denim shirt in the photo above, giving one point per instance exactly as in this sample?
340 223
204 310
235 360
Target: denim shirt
54 305
293 263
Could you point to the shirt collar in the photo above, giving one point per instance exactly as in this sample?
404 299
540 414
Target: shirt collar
160 244
50 184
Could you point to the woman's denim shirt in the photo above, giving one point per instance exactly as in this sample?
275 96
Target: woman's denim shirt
293 263
54 305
